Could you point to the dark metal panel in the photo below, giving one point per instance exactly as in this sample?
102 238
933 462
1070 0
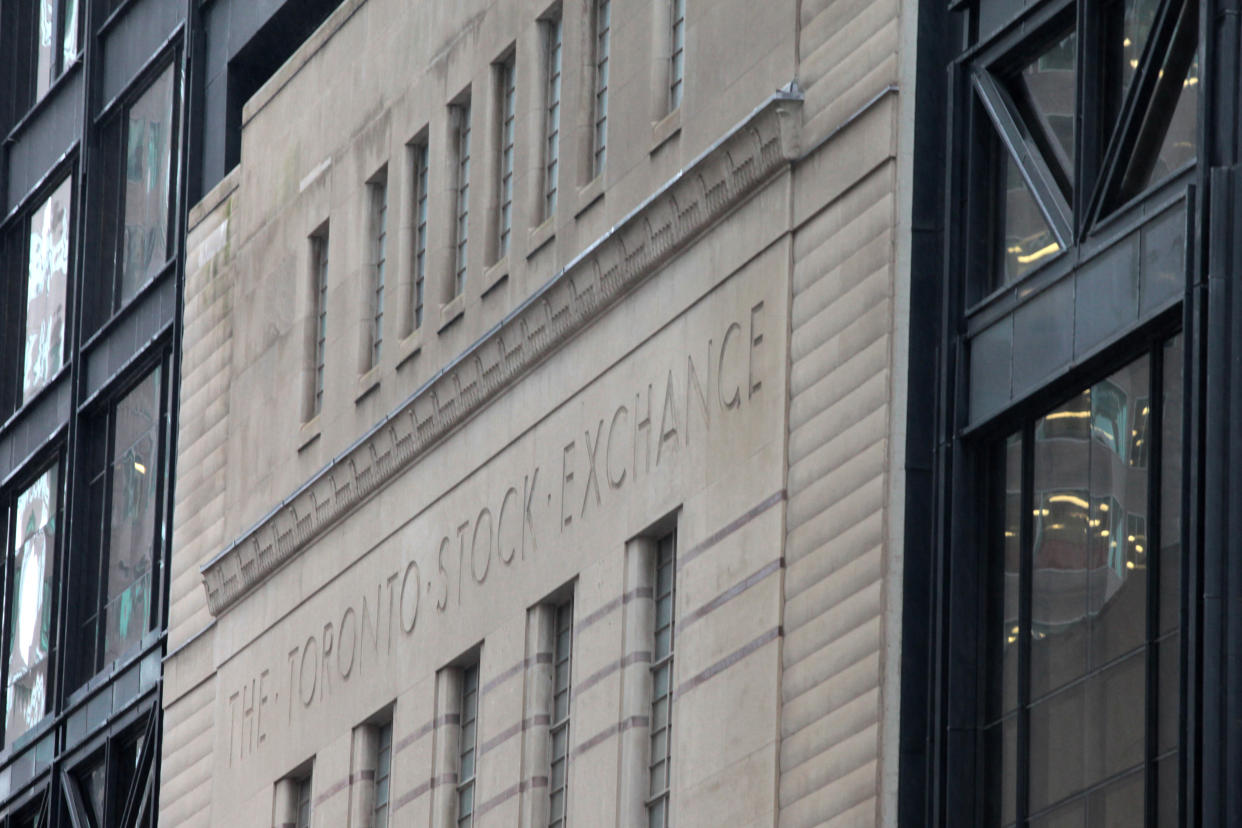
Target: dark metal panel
142 323
131 42
991 356
35 425
1042 336
43 140
1107 295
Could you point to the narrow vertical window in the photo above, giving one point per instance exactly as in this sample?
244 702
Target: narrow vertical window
31 569
552 117
383 770
507 77
304 802
379 237
677 57
558 779
603 39
461 118
319 290
47 275
420 233
676 64
662 686
466 755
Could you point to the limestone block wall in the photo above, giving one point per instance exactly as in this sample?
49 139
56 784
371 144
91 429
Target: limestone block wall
199 519
848 52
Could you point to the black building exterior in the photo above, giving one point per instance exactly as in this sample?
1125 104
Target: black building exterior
1073 624
115 115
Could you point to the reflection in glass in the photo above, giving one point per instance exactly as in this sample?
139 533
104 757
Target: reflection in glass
1010 630
1093 585
47 274
1178 147
1027 240
45 67
148 151
30 614
131 535
1137 19
1049 82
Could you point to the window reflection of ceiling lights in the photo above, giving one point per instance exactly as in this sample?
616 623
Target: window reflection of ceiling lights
138 467
1047 250
1065 498
1060 415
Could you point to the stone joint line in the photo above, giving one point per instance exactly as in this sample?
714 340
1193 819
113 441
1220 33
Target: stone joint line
423 730
727 662
510 792
610 731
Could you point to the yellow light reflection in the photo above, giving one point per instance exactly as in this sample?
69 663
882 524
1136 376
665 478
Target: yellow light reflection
1061 415
1048 250
1065 498
141 469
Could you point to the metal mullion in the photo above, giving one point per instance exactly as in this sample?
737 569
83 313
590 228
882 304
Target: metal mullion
1120 146
1155 448
1034 169
1089 120
1025 573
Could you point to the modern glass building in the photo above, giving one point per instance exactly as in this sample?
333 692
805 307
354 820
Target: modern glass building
1081 619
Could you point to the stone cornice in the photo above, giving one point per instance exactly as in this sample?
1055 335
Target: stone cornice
715 183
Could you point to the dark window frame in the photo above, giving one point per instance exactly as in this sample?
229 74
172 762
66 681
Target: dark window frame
92 519
108 195
14 271
48 460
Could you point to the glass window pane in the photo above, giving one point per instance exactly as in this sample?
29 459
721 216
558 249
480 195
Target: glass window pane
148 152
1178 147
131 537
1115 719
33 566
1057 741
1137 18
1119 803
45 37
1005 697
47 275
1026 239
1062 518
1171 488
1117 555
1049 81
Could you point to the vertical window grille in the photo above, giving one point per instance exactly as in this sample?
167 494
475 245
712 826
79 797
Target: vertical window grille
662 686
379 224
304 802
466 759
676 66
319 274
552 127
383 770
462 115
508 87
558 784
603 39
420 231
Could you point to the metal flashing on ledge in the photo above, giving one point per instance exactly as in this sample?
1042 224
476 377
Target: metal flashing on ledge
715 183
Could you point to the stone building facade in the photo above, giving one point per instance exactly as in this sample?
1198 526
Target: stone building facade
542 444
